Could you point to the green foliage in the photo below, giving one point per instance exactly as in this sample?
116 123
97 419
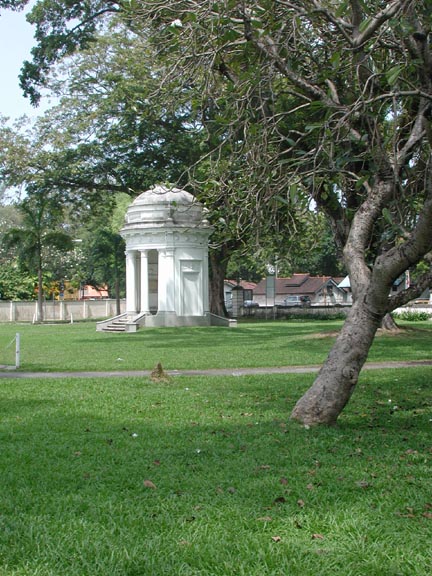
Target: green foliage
15 284
13 4
107 134
38 233
243 266
106 260
319 317
413 315
41 215
287 109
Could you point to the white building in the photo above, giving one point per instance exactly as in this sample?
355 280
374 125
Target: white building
166 235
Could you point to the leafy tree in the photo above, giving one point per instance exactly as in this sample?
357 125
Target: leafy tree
107 262
331 99
15 284
38 232
110 134
107 134
316 251
104 249
334 99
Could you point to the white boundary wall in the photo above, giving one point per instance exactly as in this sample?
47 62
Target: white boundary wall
67 310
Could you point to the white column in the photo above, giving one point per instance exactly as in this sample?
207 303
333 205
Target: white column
162 279
166 280
145 308
170 281
131 304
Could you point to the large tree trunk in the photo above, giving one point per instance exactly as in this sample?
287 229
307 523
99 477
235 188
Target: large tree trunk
332 389
388 323
218 266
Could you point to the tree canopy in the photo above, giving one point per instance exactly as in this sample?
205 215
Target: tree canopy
315 102
39 231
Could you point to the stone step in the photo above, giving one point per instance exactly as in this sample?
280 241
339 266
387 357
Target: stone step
112 328
118 325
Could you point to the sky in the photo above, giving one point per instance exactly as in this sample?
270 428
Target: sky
16 41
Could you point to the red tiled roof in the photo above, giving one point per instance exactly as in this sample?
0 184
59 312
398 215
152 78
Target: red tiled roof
299 284
243 283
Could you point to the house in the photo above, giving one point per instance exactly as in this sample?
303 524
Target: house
401 283
248 290
301 290
84 292
88 292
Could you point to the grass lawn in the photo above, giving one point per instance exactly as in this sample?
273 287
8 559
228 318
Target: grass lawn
78 346
205 476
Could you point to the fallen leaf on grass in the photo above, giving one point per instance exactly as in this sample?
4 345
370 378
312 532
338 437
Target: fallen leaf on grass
317 537
363 484
149 484
300 503
276 538
427 515
283 481
265 519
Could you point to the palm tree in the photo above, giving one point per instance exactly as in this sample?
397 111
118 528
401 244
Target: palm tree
41 218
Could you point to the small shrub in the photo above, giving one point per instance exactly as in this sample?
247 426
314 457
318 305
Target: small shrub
316 317
413 315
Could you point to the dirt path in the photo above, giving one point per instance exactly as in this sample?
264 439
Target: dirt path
11 373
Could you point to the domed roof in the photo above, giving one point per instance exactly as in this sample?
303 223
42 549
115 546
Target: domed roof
164 195
165 206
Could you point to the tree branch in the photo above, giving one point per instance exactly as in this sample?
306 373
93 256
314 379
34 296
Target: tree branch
422 283
268 48
361 233
395 261
377 21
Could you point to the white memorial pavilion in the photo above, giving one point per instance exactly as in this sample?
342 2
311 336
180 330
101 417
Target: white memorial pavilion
166 235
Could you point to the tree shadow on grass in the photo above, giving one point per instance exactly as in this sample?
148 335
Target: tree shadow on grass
117 473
